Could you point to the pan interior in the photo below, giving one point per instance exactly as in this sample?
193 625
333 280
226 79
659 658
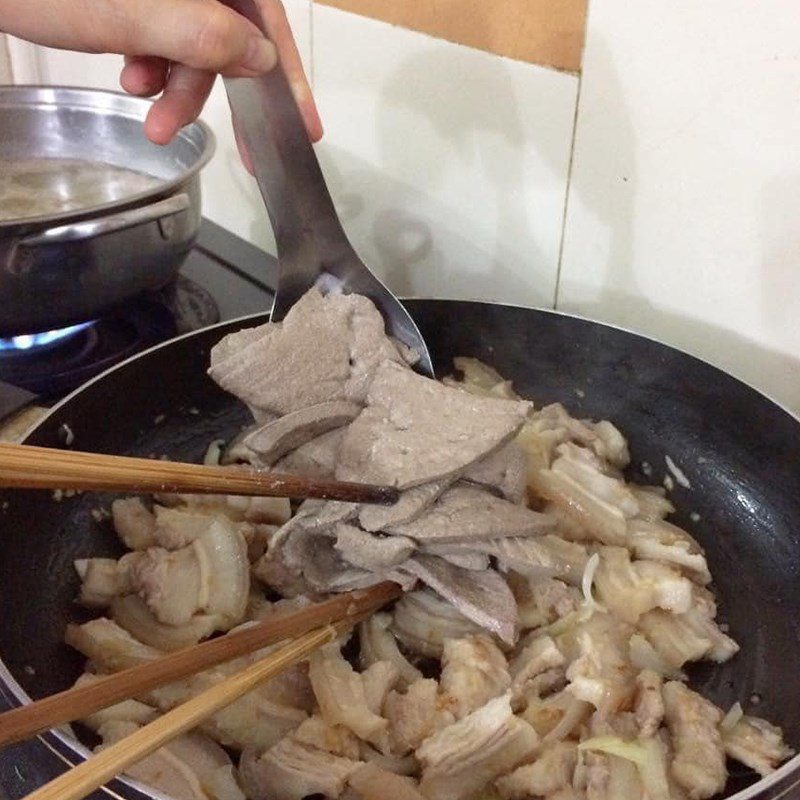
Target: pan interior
738 450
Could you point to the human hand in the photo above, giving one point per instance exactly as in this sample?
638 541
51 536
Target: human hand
174 48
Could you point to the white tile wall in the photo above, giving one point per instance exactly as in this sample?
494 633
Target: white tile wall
685 194
448 165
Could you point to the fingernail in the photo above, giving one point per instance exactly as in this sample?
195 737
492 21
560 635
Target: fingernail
260 56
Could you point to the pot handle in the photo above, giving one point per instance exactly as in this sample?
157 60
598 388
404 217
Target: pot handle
92 228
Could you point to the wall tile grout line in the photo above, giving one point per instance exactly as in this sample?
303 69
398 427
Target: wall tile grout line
567 190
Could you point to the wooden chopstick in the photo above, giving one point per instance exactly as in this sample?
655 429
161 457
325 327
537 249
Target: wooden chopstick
79 702
28 467
101 767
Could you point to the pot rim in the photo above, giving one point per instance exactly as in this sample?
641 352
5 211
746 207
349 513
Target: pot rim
780 784
197 134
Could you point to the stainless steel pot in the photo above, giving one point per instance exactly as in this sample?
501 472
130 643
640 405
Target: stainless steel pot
70 263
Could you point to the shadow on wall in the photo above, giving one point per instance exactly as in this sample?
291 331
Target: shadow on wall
486 250
610 195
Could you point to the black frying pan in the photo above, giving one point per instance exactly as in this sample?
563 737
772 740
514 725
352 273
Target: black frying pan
739 450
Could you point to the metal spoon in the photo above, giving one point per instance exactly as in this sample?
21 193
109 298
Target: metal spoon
313 249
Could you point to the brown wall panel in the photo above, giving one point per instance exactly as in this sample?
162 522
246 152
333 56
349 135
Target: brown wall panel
546 32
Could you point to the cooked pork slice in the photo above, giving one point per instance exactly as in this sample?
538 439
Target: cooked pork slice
340 692
326 348
661 541
315 459
698 764
505 470
379 679
276 439
539 655
108 646
371 552
378 644
134 523
411 504
552 770
257 536
103 579
373 783
178 527
757 744
632 588
336 739
270 510
599 671
649 709
459 553
541 601
132 613
474 671
538 557
291 770
423 620
483 597
460 760
416 714
690 636
467 513
272 570
415 430
390 762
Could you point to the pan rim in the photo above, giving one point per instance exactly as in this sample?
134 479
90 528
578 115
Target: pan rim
10 686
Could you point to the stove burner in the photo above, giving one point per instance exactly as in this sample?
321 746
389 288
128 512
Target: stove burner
28 343
71 356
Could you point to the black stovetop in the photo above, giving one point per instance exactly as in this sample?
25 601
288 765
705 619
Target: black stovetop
223 278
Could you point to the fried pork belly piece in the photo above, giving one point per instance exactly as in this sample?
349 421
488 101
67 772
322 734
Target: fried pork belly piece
470 514
379 679
555 717
698 765
541 601
336 739
653 503
327 348
599 671
293 770
662 541
103 579
483 597
551 771
341 695
411 504
691 636
757 744
632 588
474 671
463 758
537 656
125 711
191 766
416 714
134 523
108 646
370 782
423 620
416 430
505 471
275 439
379 644
649 708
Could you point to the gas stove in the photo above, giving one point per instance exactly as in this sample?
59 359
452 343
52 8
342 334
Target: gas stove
223 278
